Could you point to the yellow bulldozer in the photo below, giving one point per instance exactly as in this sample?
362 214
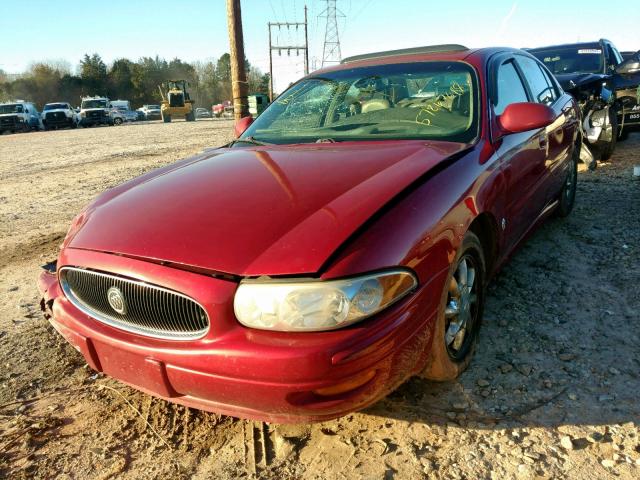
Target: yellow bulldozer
176 102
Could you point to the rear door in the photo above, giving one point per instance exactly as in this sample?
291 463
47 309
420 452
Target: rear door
561 134
523 155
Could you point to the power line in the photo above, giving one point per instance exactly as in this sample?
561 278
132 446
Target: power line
289 47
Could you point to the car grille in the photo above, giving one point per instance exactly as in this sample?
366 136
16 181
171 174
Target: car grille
8 120
142 308
95 114
56 116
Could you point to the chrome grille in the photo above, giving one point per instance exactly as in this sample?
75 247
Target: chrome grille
149 310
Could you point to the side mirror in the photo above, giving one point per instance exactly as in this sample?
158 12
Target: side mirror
630 65
242 125
521 117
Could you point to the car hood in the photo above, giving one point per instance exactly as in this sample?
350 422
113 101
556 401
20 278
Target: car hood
273 210
55 110
574 81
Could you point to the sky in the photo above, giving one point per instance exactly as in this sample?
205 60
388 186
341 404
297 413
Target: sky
197 29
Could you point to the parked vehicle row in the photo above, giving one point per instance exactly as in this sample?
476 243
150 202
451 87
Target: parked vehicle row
606 86
23 116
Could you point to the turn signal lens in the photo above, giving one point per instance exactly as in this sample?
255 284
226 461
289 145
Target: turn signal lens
312 305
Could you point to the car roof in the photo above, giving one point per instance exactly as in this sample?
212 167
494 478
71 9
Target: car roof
595 43
449 52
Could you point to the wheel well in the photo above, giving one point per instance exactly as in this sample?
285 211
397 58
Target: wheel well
486 229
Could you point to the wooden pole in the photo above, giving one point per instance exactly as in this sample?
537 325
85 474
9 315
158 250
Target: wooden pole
239 85
270 67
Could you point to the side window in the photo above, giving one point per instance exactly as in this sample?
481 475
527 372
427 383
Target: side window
510 88
542 89
551 81
614 56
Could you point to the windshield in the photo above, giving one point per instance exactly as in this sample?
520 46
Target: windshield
427 100
575 59
55 106
94 104
15 108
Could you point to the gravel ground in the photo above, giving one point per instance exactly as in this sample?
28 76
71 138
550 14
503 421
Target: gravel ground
551 393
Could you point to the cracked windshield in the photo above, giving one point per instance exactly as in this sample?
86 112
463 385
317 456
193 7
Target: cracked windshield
428 100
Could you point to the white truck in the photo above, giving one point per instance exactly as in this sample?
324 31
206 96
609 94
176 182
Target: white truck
98 111
59 115
19 116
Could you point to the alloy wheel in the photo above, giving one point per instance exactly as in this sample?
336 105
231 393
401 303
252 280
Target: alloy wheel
461 311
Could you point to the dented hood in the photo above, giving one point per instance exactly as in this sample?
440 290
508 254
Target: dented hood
255 211
572 82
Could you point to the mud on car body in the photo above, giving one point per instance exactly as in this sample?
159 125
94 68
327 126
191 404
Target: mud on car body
605 86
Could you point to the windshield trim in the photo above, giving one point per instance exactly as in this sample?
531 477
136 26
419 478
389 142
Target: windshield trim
478 113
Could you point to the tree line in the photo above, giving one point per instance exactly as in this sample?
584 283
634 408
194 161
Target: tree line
45 82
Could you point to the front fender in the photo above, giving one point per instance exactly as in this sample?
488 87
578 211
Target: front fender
424 228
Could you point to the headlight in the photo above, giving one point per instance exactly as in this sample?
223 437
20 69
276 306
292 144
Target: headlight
83 114
314 305
598 118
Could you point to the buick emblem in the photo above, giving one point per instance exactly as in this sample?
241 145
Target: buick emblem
116 300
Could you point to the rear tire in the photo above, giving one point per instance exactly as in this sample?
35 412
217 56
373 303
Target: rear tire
567 197
460 313
117 121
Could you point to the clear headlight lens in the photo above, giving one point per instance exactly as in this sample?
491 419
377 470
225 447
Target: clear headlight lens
307 306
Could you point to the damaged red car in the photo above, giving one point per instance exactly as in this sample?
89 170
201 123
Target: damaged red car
340 245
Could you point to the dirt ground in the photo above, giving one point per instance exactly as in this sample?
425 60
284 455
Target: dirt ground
552 392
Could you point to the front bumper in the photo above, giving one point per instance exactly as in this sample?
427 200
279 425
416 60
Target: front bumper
233 370
88 121
12 125
58 122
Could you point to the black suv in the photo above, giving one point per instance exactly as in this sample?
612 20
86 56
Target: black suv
606 86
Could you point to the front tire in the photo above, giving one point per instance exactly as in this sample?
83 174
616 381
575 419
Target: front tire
460 313
117 121
607 151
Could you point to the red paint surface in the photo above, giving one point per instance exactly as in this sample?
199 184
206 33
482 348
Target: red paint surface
326 210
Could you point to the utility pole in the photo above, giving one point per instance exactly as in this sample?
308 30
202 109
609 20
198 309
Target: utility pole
331 52
288 48
239 84
306 43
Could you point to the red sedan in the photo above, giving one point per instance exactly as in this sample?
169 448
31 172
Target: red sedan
340 245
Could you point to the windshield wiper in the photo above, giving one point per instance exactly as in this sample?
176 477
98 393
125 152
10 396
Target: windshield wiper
250 140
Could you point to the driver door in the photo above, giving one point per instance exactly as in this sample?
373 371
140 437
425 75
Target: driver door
523 158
